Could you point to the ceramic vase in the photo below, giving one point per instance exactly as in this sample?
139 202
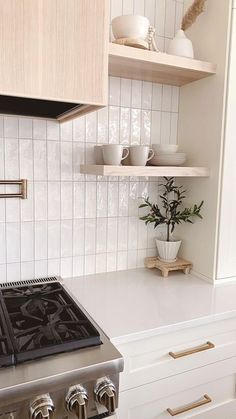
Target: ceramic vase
168 251
181 45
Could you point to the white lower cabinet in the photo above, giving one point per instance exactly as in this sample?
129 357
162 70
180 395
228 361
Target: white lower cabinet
202 389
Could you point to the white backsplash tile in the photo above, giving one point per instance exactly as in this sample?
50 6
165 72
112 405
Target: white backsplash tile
75 224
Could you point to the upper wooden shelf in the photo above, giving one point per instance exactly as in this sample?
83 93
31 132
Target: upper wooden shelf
134 63
149 171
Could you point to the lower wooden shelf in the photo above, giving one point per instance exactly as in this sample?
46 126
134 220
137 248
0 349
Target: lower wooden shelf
148 171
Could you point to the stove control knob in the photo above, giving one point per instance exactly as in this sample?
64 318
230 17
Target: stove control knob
77 400
105 393
42 407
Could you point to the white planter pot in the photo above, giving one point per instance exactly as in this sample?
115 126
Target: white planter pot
181 45
168 250
130 26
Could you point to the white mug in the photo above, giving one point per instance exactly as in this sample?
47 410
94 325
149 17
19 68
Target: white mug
140 155
113 154
98 156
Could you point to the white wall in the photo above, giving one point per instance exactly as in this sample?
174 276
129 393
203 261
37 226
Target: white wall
73 224
227 234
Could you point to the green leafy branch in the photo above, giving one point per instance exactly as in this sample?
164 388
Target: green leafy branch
171 213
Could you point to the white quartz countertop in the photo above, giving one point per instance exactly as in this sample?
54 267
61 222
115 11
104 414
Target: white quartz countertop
132 304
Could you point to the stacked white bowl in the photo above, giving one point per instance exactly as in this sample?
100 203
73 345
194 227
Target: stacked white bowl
167 155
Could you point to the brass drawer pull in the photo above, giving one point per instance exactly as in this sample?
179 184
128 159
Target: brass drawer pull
186 352
173 412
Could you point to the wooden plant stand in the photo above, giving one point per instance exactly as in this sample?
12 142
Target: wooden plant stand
166 267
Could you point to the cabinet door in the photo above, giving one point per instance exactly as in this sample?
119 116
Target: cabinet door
204 393
55 49
227 232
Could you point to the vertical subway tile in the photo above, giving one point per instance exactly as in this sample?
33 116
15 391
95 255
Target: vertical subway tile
146 95
123 198
125 94
132 259
160 17
12 206
27 270
66 200
157 96
3 273
13 242
122 233
66 160
112 199
41 268
173 128
27 241
54 239
139 7
90 236
133 232
156 127
114 91
89 264
40 200
112 234
170 18
166 98
136 98
78 237
114 128
39 129
102 124
124 125
79 129
101 199
78 159
27 205
145 126
11 159
135 126
66 238
13 272
54 267
25 128
2 158
53 130
165 127
53 160
2 243
40 237
79 200
26 159
175 99
90 200
101 235
66 131
91 127
78 266
11 127
122 261
101 262
111 262
40 160
54 200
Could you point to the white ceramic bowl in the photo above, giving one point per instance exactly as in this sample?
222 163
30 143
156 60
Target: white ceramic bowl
130 26
165 148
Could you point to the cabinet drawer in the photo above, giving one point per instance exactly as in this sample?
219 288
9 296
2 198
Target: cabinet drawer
164 355
206 393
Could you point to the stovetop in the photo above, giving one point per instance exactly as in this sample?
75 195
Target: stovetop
37 320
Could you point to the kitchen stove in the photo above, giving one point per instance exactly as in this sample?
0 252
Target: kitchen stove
54 360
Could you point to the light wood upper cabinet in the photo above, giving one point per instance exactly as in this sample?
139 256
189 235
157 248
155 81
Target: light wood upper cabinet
54 50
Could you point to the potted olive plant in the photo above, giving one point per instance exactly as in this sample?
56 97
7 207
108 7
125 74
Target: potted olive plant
171 214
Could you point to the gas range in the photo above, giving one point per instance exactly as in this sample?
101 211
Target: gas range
55 361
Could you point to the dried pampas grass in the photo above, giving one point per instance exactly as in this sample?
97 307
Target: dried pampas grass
192 13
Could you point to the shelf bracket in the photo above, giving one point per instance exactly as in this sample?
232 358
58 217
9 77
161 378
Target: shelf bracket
22 188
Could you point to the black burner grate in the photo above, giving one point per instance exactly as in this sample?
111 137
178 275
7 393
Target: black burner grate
42 319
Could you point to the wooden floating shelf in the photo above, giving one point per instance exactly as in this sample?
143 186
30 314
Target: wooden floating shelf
148 171
134 63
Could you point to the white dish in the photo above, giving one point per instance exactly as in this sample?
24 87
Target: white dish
162 160
130 26
165 148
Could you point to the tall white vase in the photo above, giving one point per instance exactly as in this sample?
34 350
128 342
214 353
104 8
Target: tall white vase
181 45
